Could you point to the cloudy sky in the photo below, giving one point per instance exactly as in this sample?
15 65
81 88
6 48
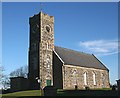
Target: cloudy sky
101 47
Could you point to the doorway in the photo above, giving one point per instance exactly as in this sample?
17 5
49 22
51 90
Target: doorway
48 82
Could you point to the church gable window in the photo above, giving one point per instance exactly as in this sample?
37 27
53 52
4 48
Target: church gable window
85 78
75 77
94 78
103 79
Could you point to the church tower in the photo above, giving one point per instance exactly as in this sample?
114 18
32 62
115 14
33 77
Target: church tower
41 46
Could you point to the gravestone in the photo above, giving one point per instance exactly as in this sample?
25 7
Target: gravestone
50 91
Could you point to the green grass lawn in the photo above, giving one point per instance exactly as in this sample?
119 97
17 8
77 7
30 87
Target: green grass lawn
23 93
60 92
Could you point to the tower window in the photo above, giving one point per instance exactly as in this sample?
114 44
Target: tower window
47 46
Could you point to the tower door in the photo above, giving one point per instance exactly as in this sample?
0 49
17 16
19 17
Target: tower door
48 82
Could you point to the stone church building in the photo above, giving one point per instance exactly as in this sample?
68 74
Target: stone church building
61 67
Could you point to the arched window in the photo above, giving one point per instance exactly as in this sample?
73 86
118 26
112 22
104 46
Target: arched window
74 77
103 79
48 63
94 78
48 80
74 72
85 78
47 46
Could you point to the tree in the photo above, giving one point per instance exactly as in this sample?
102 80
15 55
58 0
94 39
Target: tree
20 72
4 79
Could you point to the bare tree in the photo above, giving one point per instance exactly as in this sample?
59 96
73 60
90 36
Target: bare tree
20 72
4 79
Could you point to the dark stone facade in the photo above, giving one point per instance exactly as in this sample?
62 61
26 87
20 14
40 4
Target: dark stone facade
19 84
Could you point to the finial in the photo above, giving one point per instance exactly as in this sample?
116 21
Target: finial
41 7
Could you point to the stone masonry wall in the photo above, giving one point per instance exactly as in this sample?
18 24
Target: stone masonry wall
74 75
46 47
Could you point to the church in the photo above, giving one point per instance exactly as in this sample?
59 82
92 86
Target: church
60 67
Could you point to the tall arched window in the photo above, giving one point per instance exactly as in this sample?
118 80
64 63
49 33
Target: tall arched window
103 79
94 78
47 46
74 77
85 78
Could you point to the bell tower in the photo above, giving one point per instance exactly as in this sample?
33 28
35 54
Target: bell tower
40 50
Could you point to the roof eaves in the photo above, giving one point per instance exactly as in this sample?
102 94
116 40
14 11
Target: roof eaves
100 62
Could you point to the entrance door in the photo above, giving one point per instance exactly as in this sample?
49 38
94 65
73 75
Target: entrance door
48 82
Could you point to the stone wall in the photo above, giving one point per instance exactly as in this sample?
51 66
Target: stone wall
33 60
74 75
40 49
19 84
46 47
57 72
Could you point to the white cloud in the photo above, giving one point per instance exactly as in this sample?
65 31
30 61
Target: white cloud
100 47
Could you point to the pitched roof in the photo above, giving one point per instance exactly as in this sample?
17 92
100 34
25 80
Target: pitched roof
72 57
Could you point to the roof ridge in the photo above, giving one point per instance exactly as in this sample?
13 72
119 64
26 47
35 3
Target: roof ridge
73 50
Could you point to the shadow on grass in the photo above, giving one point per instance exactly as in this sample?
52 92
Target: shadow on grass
87 93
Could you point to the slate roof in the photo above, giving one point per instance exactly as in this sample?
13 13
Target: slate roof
71 57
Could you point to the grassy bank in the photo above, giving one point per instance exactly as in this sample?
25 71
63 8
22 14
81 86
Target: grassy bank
23 93
61 92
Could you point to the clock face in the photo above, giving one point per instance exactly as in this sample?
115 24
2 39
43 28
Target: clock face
47 28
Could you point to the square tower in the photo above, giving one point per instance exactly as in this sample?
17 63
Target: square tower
41 48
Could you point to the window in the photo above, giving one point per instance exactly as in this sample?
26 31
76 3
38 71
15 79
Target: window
85 78
74 72
103 79
94 79
47 46
48 82
74 77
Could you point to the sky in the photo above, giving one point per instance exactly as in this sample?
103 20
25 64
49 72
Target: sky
86 27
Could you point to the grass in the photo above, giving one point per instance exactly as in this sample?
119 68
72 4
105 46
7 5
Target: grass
92 92
23 93
61 92
102 89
